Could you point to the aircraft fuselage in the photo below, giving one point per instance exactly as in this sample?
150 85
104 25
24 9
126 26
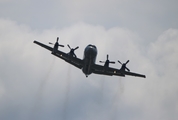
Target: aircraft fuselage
89 58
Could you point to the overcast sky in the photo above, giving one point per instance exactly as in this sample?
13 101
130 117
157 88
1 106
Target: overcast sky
36 85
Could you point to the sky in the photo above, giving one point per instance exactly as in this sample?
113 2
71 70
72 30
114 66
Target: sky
36 85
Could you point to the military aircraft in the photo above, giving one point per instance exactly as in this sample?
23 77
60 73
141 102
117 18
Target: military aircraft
87 64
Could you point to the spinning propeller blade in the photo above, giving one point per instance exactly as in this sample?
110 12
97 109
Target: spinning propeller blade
119 62
69 46
127 69
76 48
112 62
57 38
61 45
107 56
50 43
124 65
72 48
57 42
127 61
107 61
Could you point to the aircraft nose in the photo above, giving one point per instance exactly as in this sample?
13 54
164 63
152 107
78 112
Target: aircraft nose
90 50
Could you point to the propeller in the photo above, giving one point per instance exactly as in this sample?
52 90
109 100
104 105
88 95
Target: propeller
72 50
124 65
57 42
107 61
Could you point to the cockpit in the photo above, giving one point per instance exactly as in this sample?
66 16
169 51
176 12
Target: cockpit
92 46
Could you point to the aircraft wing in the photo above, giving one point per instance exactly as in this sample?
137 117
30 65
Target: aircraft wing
98 69
68 58
45 46
72 60
134 74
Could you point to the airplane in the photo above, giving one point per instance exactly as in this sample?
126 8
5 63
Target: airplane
87 64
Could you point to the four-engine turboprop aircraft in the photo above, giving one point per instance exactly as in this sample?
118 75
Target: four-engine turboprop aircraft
87 64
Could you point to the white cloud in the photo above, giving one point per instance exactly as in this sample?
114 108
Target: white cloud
37 85
148 18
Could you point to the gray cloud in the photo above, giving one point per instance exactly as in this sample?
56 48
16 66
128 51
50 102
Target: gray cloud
146 18
24 65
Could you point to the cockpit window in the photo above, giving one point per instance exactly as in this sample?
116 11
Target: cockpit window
92 45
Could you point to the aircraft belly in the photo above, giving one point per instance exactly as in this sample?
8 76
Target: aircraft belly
89 59
87 66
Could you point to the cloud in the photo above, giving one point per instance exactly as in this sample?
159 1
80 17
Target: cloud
24 67
148 18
